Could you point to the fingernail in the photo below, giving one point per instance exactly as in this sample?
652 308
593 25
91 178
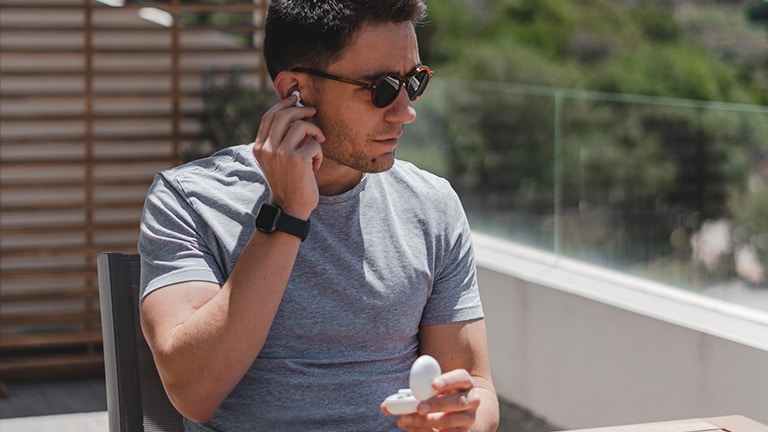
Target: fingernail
423 408
438 383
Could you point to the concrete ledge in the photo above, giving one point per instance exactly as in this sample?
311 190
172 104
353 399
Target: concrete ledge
674 305
80 422
588 347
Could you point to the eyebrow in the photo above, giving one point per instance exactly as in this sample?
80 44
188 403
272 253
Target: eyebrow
373 77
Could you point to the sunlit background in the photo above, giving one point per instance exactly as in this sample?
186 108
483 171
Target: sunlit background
627 135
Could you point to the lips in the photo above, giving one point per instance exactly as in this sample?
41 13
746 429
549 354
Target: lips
389 139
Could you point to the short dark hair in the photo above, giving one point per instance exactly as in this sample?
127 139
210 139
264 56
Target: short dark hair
313 33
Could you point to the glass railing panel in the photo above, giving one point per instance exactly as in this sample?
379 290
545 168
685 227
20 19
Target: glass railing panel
670 190
496 146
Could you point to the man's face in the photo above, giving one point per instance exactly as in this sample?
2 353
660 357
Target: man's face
358 134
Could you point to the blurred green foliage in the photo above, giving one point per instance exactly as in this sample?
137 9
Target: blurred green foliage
231 113
758 12
634 47
631 182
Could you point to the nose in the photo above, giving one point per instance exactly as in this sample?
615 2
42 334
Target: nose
401 110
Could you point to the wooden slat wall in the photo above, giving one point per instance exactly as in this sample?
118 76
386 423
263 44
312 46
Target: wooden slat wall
93 101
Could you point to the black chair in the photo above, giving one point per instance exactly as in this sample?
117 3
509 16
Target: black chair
136 400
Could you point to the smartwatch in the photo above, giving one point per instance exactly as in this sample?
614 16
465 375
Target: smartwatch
271 218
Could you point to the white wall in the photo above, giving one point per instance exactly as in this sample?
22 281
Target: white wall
586 347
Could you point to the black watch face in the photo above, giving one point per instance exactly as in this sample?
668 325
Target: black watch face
267 217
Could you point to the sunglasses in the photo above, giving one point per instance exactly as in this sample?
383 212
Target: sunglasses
385 89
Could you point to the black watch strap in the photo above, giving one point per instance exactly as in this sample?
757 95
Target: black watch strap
292 225
271 218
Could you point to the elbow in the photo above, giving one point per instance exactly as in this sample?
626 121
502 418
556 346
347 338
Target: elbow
191 395
195 392
196 414
192 403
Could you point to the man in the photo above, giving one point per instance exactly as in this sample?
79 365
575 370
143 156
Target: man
290 284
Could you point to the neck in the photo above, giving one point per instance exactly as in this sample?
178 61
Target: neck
337 181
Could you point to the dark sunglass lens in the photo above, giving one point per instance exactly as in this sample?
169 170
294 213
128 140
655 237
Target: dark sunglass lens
417 84
386 91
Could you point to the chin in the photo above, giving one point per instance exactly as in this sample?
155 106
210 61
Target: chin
381 164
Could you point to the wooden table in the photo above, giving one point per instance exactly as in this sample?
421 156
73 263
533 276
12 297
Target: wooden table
734 423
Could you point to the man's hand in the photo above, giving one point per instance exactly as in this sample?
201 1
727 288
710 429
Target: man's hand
453 408
287 149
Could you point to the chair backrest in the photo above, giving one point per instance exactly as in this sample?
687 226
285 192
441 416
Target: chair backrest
136 400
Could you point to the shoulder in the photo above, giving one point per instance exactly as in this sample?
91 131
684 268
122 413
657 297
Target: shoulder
230 161
428 195
219 175
230 178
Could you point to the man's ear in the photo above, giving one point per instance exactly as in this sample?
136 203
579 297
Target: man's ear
286 82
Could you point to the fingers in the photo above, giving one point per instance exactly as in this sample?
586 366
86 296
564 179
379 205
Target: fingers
284 124
289 142
454 407
453 381
454 402
287 148
443 421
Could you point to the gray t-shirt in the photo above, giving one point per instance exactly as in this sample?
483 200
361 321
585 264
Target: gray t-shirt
380 260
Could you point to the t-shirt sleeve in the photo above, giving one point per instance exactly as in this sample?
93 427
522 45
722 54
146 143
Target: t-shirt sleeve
455 295
171 242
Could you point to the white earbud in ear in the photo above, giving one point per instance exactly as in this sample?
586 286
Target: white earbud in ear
298 95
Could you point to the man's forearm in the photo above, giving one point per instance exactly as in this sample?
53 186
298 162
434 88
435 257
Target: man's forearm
487 416
199 345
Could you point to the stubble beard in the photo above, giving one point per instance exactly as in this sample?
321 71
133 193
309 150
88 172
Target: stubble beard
340 147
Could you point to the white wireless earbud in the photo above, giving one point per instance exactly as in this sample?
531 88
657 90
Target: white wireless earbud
298 95
424 370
